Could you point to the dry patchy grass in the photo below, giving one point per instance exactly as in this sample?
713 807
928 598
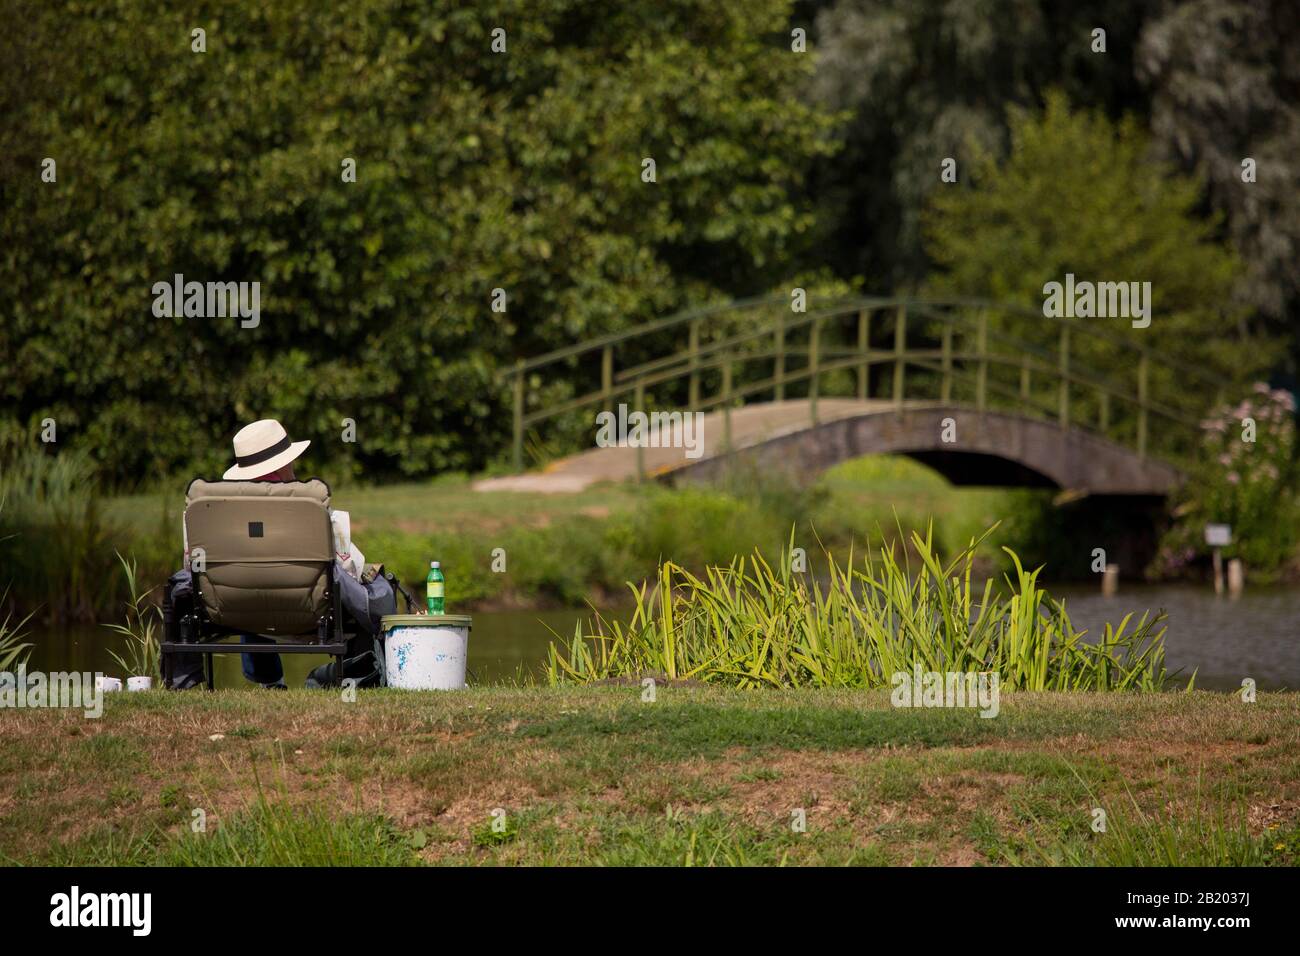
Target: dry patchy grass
595 775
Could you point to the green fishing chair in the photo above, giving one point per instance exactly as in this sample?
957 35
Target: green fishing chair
261 558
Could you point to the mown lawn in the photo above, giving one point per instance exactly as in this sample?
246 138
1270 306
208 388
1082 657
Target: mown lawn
699 776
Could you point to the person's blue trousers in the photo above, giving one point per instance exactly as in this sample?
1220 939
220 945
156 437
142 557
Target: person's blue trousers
261 668
269 669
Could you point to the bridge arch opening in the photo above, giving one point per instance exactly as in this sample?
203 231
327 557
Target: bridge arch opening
977 469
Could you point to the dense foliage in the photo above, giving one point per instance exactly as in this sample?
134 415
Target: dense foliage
1214 81
923 81
1225 89
518 170
1077 194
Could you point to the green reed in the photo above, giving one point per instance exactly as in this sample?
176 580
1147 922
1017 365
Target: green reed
752 624
143 652
14 651
55 544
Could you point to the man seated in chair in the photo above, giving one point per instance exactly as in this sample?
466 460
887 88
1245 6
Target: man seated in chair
264 452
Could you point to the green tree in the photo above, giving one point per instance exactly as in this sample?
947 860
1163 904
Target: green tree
1080 194
923 80
1225 87
476 170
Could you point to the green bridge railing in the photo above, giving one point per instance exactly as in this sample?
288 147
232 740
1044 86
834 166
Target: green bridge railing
984 355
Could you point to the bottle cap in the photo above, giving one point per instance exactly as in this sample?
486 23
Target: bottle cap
434 564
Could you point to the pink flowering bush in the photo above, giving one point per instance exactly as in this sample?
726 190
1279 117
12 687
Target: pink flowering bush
1250 485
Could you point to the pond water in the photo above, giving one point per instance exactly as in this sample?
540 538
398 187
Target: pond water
502 644
1256 635
1224 639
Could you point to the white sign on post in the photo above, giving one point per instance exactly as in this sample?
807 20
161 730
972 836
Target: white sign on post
1218 535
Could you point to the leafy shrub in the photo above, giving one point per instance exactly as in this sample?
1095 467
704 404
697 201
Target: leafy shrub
1250 485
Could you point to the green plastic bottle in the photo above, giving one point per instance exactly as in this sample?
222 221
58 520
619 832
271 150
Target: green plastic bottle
435 586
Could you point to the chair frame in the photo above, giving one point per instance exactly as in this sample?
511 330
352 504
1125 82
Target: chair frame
199 635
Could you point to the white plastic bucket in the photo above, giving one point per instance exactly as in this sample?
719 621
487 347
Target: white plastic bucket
426 652
139 683
108 685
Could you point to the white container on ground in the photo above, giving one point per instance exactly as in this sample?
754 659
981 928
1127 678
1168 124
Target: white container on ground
108 685
139 683
426 651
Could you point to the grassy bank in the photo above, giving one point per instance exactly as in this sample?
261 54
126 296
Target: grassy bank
569 549
700 776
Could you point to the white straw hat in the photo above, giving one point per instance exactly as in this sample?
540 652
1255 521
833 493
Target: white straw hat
261 448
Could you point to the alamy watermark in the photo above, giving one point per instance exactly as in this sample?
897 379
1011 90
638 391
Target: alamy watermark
133 911
651 430
37 690
974 689
1086 300
209 300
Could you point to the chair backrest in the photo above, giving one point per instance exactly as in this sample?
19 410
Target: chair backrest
268 550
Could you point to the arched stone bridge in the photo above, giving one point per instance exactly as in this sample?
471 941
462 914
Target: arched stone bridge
989 448
774 389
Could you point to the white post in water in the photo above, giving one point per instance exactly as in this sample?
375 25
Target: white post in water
1236 577
1218 536
1110 580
